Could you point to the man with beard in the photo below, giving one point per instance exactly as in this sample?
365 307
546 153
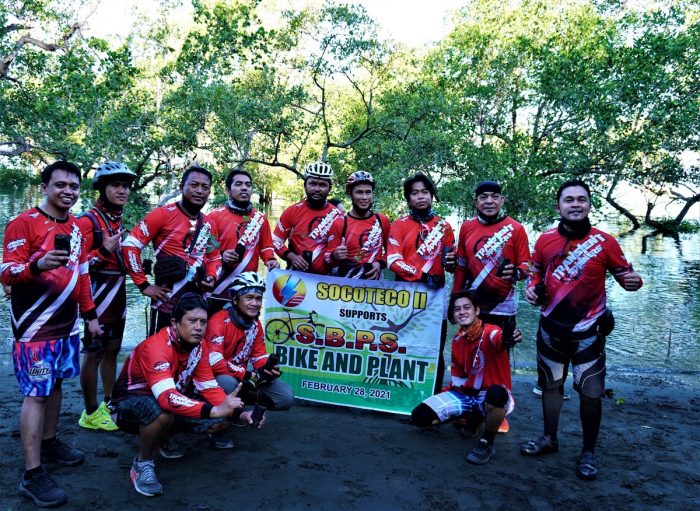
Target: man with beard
187 255
568 282
357 243
307 224
244 236
235 339
102 229
492 256
45 263
421 246
154 393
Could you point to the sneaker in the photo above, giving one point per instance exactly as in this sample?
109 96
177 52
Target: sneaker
143 476
504 427
61 453
170 450
482 453
99 419
222 439
43 490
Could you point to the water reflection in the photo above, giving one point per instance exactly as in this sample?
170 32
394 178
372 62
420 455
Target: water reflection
666 307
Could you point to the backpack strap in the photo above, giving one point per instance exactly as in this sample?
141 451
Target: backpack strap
97 237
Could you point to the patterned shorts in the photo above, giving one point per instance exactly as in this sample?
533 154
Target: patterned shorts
451 404
38 364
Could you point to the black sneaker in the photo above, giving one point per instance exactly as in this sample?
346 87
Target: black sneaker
482 453
61 453
43 490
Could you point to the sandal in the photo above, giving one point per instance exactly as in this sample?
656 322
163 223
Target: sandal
541 445
587 466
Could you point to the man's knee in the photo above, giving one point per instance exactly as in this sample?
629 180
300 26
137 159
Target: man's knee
497 396
278 396
557 385
226 382
423 416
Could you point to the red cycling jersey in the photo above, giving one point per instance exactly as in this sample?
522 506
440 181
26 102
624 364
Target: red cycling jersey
573 272
45 303
172 232
231 347
415 247
480 250
480 363
107 270
253 232
160 366
365 238
308 230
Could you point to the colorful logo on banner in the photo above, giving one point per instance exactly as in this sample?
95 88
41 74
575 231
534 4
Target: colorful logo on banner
367 344
289 290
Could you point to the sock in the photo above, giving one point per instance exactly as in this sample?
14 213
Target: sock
28 474
108 399
48 442
489 436
552 401
91 409
591 410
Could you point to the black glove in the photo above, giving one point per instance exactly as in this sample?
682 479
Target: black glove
433 281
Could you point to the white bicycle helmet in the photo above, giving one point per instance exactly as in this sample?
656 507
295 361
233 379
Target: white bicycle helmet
112 171
358 178
318 169
246 282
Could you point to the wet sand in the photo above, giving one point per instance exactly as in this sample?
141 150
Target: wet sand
323 457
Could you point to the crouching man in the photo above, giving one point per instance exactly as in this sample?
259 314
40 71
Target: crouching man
235 338
480 388
152 393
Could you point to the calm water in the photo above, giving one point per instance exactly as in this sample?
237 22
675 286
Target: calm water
667 307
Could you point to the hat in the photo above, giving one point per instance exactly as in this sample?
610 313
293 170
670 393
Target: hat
487 186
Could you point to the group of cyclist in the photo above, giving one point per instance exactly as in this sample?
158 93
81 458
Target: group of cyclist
205 358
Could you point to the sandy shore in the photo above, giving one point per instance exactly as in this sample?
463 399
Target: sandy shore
323 457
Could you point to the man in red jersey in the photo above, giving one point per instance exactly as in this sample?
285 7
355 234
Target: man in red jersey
568 282
235 339
492 256
102 230
153 394
45 264
357 243
184 241
479 390
244 237
307 224
421 246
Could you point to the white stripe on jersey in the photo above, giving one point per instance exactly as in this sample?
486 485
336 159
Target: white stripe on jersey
110 297
204 385
162 386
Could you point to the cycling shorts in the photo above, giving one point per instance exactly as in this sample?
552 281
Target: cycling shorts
453 403
38 364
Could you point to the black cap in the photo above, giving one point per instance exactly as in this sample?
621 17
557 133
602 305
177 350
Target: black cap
487 186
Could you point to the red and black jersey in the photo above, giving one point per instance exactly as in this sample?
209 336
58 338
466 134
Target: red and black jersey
172 233
415 247
252 231
107 271
160 366
45 303
573 272
231 347
478 364
307 229
480 249
366 239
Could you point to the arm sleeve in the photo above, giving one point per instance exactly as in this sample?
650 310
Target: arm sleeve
536 268
162 385
458 376
17 259
259 355
395 256
334 239
522 251
386 227
140 236
616 261
214 339
281 233
448 240
205 382
87 306
461 270
267 251
213 256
